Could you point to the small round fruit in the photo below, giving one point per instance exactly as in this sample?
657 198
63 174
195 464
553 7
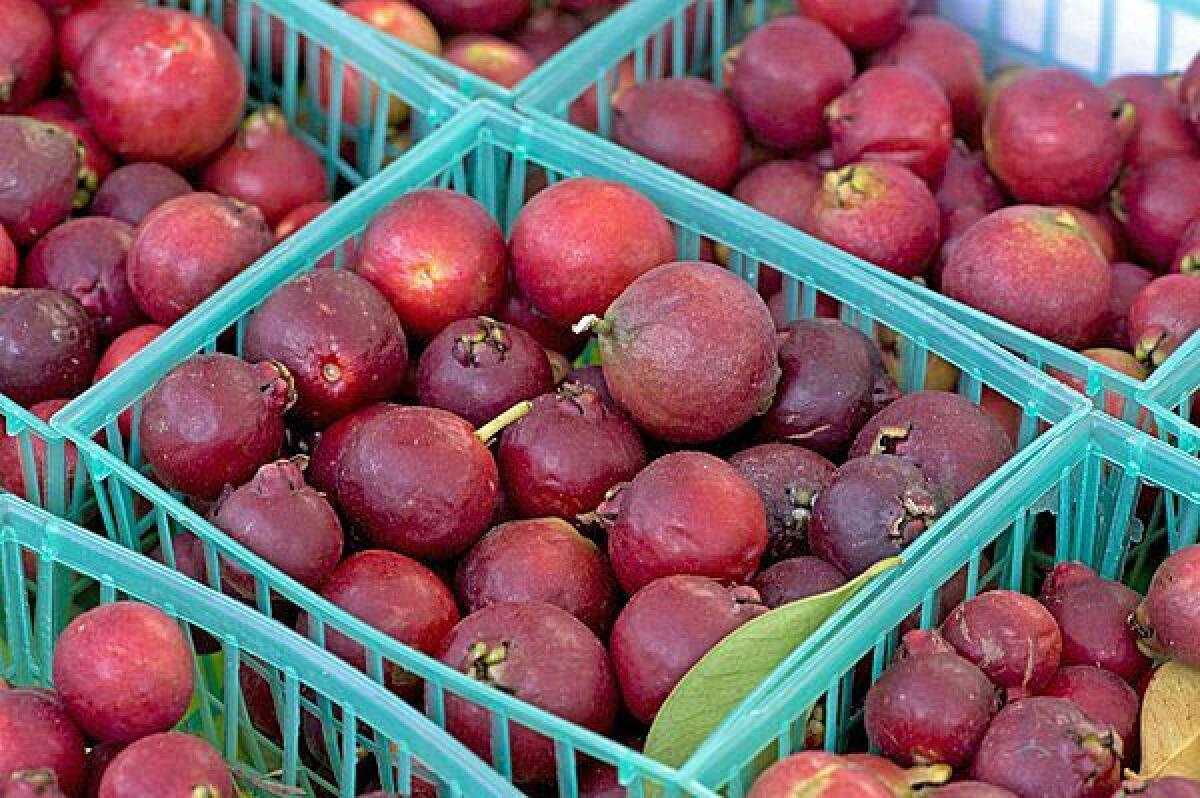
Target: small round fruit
49 349
168 765
1128 280
1013 638
783 189
861 24
1168 618
1187 256
1159 129
133 190
1100 694
399 19
41 168
476 16
788 478
10 261
1164 315
490 57
83 20
817 774
971 789
795 579
967 190
1157 202
26 54
547 31
36 733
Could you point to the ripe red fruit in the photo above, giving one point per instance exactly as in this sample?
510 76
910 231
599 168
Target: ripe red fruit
578 244
121 349
1013 638
50 345
441 485
338 337
327 452
784 74
1187 257
666 628
36 733
399 19
967 190
437 256
948 54
177 110
1163 316
546 32
895 114
782 189
543 559
213 421
599 780
10 261
41 167
1128 280
516 309
476 16
795 579
478 368
1165 787
169 765
1015 264
1047 746
686 124
84 19
539 654
132 191
1157 202
787 478
1160 131
584 113
1167 618
819 775
123 671
267 166
396 595
26 54
12 473
861 24
98 163
954 443
567 452
490 57
1051 137
1101 695
689 352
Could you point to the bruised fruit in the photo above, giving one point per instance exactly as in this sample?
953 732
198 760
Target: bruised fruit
1165 787
490 57
784 74
12 459
873 508
894 114
1159 130
1100 694
538 654
787 478
930 709
689 352
1016 264
476 16
1157 202
26 54
880 212
1163 316
578 244
567 452
213 421
36 733
795 579
133 190
1010 636
819 775
437 256
49 347
685 513
337 336
41 166
440 485
168 765
861 24
478 368
954 443
266 166
666 628
394 594
1128 280
686 124
189 247
123 671
1167 618
1039 746
542 559
178 110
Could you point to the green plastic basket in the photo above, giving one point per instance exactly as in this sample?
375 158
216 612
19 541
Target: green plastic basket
1174 400
52 570
1096 40
1075 501
489 153
304 34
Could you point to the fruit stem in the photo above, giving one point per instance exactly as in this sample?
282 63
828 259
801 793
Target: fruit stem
592 323
493 428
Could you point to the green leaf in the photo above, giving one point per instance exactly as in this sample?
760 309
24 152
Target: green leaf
722 679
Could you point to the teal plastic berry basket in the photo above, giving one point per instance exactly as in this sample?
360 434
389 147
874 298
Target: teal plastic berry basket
1099 492
495 156
52 570
1174 398
282 44
1100 38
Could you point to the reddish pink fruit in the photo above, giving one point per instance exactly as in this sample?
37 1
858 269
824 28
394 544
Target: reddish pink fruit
689 352
268 167
788 479
783 189
177 111
880 212
1101 695
1128 280
543 559
327 452
584 113
396 595
42 167
1046 746
98 163
967 189
795 579
300 217
49 347
213 421
578 244
1157 202
546 32
26 54
666 628
12 473
1167 618
490 57
123 671
476 16
784 74
686 124
337 336
1164 315
861 24
10 261
1013 638
1166 787
1015 263
399 19
123 347
1160 131
437 256
599 780
36 733
169 765
85 19
1187 257
895 114
685 513
132 191
517 311
538 654
819 775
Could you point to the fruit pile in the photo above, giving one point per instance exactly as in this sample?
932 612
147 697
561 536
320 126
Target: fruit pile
628 515
1067 209
1019 697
